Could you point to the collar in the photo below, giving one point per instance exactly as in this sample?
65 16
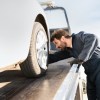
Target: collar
73 37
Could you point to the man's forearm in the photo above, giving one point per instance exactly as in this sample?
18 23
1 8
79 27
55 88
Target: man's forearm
57 56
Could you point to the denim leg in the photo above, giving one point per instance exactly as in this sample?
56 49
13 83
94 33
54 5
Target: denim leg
91 89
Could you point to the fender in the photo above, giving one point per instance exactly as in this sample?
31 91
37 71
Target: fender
17 19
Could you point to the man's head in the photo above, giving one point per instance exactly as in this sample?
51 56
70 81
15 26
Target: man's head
61 39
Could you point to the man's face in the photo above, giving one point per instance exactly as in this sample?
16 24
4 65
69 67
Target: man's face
60 44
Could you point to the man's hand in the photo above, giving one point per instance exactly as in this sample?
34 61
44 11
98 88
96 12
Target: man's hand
75 61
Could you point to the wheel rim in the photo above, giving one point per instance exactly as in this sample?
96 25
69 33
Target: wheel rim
42 50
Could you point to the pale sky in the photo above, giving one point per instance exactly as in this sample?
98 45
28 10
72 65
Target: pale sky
83 15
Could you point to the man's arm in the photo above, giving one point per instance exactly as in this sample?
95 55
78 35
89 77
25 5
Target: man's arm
57 56
90 44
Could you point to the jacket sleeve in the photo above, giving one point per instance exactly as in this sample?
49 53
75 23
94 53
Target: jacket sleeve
90 44
57 56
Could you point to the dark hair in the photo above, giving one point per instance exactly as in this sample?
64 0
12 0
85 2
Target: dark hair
59 33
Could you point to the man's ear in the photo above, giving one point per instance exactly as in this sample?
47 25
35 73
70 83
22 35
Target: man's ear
62 38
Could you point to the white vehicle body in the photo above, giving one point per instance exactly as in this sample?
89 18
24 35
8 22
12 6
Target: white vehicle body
17 19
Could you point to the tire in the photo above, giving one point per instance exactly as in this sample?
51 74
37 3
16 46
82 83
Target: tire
36 63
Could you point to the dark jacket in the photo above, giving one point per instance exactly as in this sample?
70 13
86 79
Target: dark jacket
84 47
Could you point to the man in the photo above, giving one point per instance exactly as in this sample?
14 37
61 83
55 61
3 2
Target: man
84 48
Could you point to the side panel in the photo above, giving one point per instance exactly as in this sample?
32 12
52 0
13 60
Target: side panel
16 24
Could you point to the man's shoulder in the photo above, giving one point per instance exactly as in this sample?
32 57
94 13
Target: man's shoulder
79 34
84 34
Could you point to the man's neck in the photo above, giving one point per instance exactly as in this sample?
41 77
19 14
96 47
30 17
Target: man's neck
69 42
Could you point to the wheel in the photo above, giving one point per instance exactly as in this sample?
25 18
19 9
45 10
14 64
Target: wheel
36 63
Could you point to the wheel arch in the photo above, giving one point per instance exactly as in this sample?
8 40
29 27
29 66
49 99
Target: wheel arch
42 20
